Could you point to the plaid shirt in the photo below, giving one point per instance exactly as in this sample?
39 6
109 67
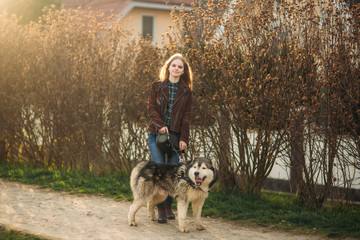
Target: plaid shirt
173 87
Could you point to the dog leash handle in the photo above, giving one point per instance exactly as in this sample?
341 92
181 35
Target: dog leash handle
174 149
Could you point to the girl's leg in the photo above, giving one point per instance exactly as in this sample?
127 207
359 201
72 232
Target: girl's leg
174 159
158 156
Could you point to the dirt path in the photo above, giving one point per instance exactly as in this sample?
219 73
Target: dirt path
58 215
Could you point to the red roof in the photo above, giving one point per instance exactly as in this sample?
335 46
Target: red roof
117 5
169 2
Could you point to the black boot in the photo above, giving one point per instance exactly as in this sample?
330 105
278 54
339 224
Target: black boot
162 214
169 213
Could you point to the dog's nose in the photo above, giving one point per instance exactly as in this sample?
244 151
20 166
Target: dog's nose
196 174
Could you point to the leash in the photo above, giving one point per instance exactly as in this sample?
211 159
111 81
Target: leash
174 148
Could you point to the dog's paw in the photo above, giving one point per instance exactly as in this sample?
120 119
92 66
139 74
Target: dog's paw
133 224
184 229
200 227
154 219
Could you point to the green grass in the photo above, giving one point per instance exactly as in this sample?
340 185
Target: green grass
6 234
115 185
272 210
281 211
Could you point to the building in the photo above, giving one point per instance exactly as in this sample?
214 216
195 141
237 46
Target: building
148 18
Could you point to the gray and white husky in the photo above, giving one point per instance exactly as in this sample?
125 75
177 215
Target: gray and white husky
188 182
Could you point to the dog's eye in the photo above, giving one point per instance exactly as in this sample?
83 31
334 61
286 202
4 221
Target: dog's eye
204 168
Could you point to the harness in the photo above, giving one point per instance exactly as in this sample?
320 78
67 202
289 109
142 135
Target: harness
188 180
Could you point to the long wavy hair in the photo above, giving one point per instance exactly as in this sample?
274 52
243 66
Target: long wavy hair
186 77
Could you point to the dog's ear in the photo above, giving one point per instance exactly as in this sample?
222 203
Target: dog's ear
189 163
215 173
215 178
211 162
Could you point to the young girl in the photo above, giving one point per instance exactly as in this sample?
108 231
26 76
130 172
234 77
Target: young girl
175 85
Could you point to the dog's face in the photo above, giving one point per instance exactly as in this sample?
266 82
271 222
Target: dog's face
202 173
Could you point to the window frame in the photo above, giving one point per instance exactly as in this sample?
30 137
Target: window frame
153 26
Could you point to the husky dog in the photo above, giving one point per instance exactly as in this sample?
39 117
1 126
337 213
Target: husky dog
151 183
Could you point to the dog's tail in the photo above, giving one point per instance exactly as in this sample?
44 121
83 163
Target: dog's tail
135 173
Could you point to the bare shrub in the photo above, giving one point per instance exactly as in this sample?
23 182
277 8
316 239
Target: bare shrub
11 35
76 85
237 77
323 123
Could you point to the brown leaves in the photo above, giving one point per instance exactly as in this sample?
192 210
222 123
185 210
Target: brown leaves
75 76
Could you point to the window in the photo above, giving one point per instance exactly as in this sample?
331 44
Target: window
148 27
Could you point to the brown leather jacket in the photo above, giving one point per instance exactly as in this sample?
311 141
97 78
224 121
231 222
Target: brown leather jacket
180 115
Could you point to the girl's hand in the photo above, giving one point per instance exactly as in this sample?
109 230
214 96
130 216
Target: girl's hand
163 130
182 145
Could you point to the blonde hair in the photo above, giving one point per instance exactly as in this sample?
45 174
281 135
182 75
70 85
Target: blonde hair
186 77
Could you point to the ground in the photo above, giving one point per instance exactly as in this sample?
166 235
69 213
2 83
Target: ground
59 215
